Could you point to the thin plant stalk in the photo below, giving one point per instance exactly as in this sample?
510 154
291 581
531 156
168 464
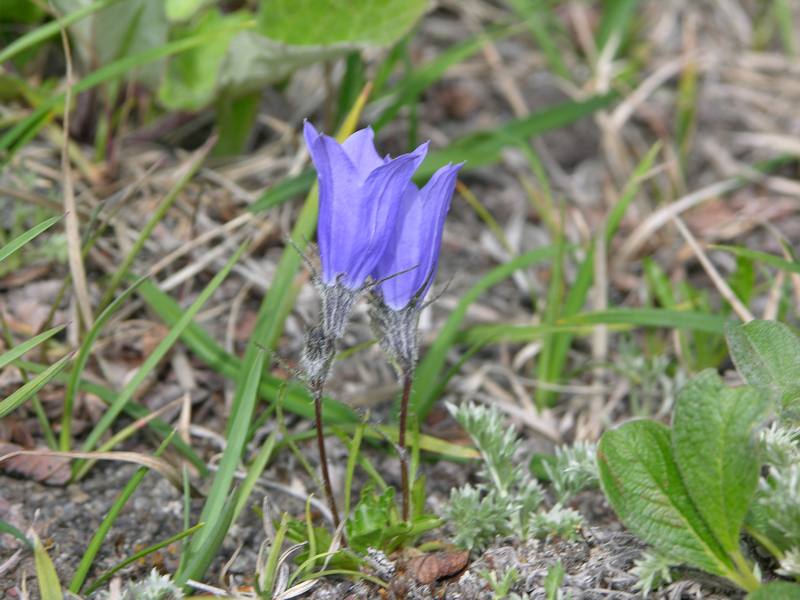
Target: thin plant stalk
323 457
401 441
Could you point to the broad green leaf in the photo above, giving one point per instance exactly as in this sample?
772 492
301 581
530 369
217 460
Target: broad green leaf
253 60
716 452
20 11
776 590
767 354
641 480
192 76
325 22
128 28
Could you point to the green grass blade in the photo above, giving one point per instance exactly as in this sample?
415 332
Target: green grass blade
546 369
18 242
765 257
50 29
296 400
14 532
477 149
155 357
140 555
423 77
201 550
630 191
352 456
254 472
46 576
430 367
20 349
539 18
65 440
615 22
484 147
22 394
101 532
284 190
620 318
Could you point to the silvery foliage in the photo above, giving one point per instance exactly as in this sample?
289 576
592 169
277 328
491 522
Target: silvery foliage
155 587
507 500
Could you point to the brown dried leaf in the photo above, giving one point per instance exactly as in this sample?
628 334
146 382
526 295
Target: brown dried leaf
44 468
431 567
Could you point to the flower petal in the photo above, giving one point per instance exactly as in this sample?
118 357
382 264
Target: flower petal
381 194
360 147
339 203
412 254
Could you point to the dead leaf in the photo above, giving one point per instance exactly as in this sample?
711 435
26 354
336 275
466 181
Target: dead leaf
429 568
44 468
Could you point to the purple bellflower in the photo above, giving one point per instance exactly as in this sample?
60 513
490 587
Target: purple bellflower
359 200
360 197
408 266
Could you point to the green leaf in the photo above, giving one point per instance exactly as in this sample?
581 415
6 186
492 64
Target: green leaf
553 579
127 28
8 357
325 22
716 452
20 11
13 531
46 577
19 241
219 509
767 354
790 266
191 77
34 385
776 590
642 482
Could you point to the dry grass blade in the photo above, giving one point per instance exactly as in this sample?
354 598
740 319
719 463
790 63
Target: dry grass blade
719 282
71 224
156 464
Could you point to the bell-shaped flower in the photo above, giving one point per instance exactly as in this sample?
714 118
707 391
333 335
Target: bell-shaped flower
408 266
359 200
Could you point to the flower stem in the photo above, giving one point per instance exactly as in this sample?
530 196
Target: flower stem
323 458
401 440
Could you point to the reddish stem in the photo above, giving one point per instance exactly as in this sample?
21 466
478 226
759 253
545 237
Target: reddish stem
323 458
401 441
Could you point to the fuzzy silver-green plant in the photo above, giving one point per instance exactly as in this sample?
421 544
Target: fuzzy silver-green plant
507 499
653 570
155 587
574 469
